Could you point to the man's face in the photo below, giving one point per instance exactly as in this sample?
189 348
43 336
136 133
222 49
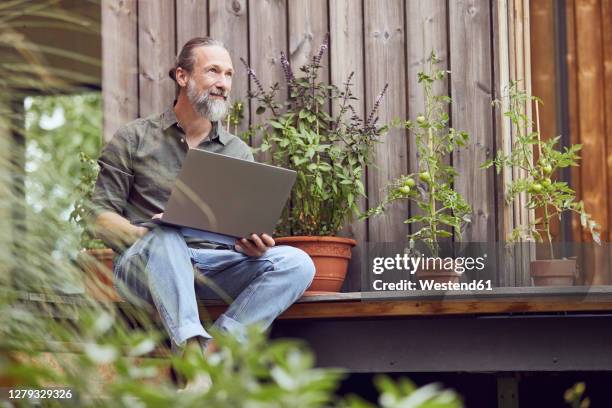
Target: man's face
210 83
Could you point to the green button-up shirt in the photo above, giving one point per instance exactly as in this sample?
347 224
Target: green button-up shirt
140 163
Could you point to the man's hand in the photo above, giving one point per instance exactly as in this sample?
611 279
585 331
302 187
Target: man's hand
116 231
255 246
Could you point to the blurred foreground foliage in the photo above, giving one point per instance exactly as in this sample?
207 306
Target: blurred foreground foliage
51 333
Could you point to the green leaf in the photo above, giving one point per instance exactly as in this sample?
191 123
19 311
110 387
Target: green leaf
360 187
319 182
275 124
324 167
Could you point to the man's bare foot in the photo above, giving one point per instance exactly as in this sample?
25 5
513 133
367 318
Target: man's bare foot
211 348
202 382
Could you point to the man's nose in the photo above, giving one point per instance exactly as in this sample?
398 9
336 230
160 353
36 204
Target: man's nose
224 82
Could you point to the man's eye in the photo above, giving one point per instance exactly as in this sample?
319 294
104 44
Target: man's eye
230 74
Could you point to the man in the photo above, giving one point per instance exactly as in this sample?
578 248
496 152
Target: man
137 170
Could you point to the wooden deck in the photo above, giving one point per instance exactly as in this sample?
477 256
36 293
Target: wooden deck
503 300
505 330
355 305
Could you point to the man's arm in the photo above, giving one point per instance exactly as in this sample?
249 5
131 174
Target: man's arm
112 188
117 231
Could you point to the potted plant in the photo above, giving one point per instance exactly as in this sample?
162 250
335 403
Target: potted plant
96 259
442 208
329 154
544 192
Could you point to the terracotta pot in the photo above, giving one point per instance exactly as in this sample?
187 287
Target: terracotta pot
437 275
98 267
330 256
553 272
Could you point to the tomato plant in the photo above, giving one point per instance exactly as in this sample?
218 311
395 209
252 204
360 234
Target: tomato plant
440 204
553 196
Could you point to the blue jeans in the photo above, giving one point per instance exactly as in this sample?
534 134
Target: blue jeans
161 269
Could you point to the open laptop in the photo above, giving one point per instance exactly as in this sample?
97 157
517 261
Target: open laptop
219 198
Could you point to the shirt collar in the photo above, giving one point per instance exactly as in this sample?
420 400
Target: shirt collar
168 119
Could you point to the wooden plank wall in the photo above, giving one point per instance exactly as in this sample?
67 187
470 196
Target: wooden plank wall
428 33
385 62
589 58
344 57
544 76
381 44
472 89
119 80
224 14
520 70
156 55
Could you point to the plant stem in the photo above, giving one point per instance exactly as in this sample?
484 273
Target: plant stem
546 216
432 201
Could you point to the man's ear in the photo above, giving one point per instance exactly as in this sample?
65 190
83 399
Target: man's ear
182 77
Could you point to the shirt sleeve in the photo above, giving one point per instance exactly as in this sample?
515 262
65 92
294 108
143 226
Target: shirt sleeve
116 174
248 154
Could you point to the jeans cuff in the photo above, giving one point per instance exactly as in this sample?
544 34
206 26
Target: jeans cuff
231 326
181 334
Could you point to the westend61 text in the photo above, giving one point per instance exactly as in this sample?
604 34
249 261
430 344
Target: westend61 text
404 284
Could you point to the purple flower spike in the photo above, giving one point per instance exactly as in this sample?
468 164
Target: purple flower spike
286 68
376 105
251 74
317 58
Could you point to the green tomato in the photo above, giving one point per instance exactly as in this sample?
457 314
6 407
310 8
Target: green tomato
425 177
420 119
535 188
546 183
547 169
409 182
405 189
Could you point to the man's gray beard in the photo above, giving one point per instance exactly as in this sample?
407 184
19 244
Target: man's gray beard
213 110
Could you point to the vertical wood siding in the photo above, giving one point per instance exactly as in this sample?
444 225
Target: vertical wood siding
120 64
590 98
471 88
156 55
381 44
